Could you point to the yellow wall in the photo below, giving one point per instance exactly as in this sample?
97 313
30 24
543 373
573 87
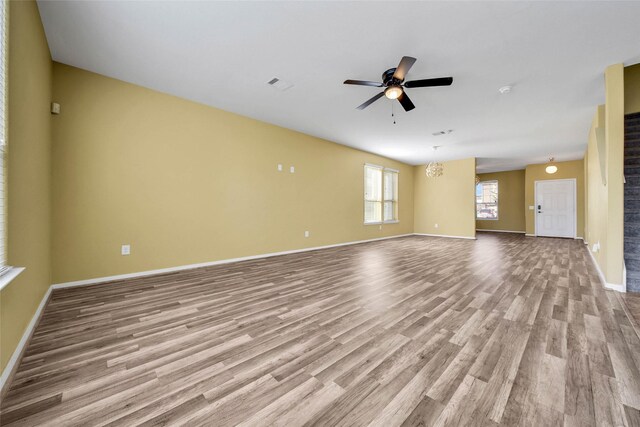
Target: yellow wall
596 212
448 201
566 170
185 183
614 131
29 149
510 201
632 89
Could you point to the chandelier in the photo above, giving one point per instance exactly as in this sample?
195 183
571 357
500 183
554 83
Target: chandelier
434 169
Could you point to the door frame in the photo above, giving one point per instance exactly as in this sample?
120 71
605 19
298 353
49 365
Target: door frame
575 204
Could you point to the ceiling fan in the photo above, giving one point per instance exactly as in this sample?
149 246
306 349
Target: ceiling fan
393 82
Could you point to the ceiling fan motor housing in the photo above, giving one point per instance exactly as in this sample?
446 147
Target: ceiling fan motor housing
387 78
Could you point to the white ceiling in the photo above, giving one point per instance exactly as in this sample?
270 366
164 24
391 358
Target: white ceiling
223 53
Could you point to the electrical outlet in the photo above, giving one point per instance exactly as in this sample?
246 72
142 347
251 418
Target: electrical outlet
436 225
279 167
531 208
125 250
292 169
306 234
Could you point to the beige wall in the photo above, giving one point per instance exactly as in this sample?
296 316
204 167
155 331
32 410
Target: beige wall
614 131
604 176
566 170
596 212
448 201
510 201
29 149
632 89
184 183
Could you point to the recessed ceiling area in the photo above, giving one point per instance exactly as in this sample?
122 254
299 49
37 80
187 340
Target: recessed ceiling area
223 54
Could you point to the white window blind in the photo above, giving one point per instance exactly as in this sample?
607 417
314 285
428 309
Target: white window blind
3 134
372 194
487 200
390 212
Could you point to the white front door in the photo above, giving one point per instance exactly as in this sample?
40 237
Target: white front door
556 208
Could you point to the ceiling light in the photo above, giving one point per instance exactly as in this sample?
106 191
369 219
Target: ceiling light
551 168
393 92
504 90
434 170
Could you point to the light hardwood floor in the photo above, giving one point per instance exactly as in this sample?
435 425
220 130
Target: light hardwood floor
411 331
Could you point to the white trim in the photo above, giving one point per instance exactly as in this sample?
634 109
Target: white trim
392 170
612 286
11 274
393 221
444 235
208 264
371 165
502 231
26 336
575 205
530 235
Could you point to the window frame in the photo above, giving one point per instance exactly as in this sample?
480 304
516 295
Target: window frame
395 200
496 203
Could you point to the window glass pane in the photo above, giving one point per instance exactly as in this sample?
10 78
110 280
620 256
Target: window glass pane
372 211
389 211
487 200
388 186
372 184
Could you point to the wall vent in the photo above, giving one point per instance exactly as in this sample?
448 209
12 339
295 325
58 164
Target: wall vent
442 132
279 84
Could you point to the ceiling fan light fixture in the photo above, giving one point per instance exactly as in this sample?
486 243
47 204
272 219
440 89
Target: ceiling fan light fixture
393 92
551 168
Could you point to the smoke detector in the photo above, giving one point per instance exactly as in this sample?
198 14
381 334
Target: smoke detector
504 90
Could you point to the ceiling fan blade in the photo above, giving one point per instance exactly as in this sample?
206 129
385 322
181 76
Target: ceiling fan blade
440 81
406 102
403 67
370 101
363 83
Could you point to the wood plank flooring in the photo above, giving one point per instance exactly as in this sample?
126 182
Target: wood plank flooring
505 330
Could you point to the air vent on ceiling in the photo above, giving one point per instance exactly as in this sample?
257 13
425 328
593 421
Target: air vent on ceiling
279 84
442 132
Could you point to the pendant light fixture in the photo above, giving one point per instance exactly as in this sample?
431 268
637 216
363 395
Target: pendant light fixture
434 169
551 168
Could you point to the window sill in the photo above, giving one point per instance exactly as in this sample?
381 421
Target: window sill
487 219
395 221
373 223
7 277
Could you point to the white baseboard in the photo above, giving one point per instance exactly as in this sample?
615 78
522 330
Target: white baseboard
444 235
530 235
17 353
502 231
612 286
208 264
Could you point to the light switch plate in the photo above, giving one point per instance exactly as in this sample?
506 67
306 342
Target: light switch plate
292 169
125 250
279 168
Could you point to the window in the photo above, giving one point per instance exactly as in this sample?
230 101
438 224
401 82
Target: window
7 273
3 132
380 195
390 212
487 200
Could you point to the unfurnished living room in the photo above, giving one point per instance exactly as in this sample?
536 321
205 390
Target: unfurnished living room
331 213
